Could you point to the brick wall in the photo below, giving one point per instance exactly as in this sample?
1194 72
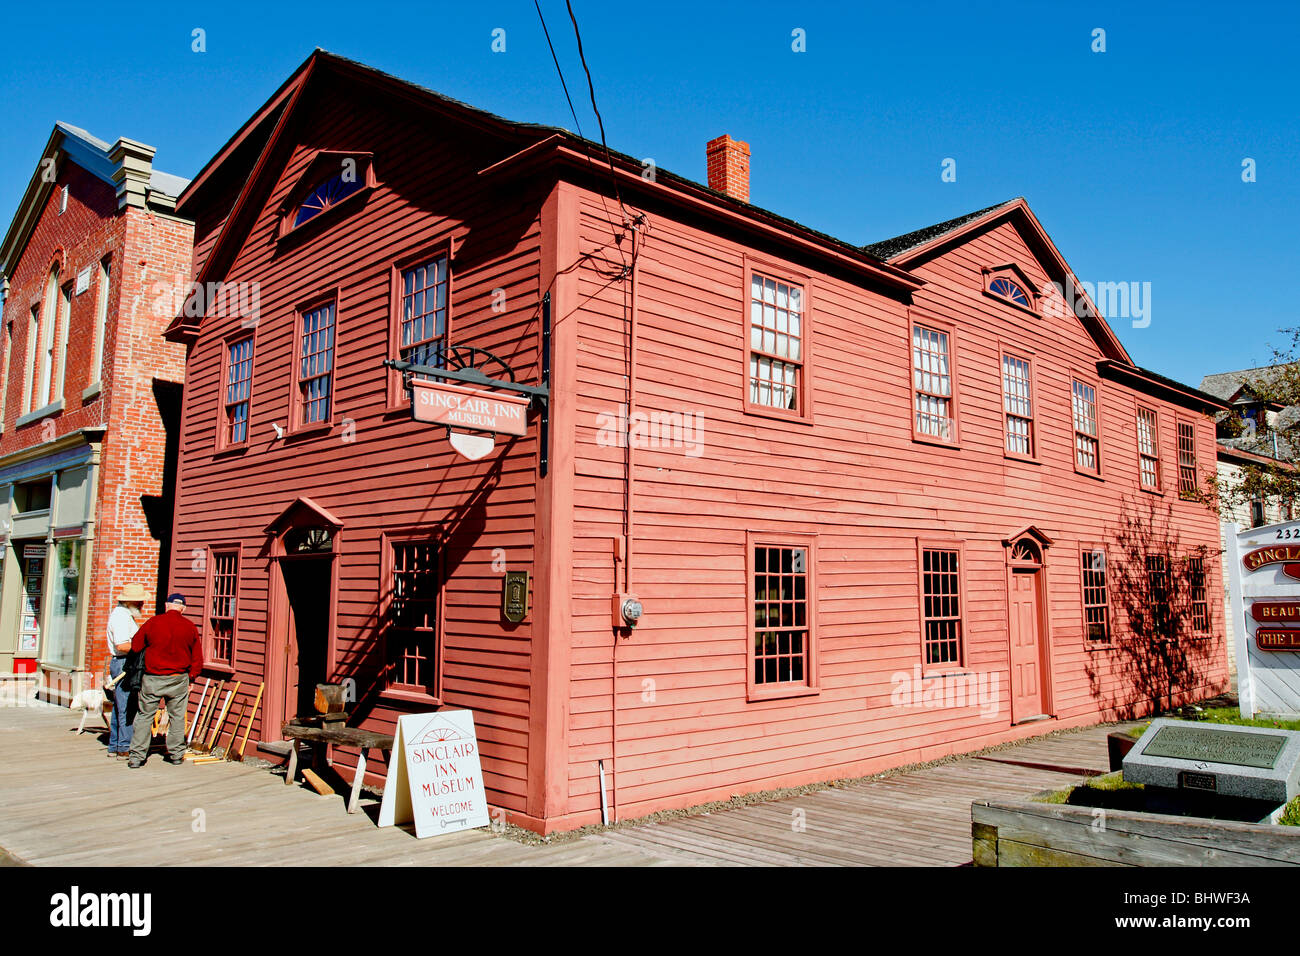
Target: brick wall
141 378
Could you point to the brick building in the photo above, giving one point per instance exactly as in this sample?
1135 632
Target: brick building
90 394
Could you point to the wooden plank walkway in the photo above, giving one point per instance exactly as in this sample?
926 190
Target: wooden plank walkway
63 803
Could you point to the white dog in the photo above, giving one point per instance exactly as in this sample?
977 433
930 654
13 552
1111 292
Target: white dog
91 703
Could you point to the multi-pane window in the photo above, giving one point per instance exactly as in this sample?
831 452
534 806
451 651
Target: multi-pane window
1196 591
328 194
1096 603
781 623
932 382
1018 404
941 605
316 364
239 381
221 606
412 634
1009 290
1186 459
423 338
1158 595
775 342
1086 450
1148 449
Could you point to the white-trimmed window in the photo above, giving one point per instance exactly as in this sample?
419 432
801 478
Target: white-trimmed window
1018 405
1087 447
1148 449
776 337
932 383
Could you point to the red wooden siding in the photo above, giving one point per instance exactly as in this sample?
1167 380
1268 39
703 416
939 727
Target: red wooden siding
856 480
375 470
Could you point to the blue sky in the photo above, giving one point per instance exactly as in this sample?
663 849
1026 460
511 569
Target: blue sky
1131 158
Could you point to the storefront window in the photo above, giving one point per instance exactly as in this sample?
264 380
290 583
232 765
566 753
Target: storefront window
65 593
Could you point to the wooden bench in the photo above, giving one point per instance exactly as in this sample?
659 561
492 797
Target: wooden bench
318 737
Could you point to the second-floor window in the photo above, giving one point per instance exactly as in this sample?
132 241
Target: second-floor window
1186 459
238 391
1086 447
776 334
423 338
101 319
1148 449
932 383
1018 405
316 365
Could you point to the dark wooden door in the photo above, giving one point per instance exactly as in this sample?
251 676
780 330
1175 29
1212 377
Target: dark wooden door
1026 646
307 586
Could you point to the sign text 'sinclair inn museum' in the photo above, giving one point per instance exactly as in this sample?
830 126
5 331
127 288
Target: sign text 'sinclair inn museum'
877 505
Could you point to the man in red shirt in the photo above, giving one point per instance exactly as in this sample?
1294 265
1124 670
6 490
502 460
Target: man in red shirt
173 656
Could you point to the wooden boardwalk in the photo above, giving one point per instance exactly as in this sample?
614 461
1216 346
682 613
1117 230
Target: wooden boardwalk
63 803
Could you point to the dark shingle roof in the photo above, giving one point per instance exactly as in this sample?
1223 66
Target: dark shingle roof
1225 384
888 248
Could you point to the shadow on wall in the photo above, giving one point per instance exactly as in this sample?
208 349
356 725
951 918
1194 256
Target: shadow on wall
1160 616
460 534
159 509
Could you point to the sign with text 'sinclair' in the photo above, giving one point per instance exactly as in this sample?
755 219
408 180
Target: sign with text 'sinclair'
441 403
1262 565
434 778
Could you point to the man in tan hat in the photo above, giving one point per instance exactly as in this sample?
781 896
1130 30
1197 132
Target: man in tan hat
121 629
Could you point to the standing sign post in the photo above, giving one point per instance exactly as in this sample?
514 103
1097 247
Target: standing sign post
435 778
1264 591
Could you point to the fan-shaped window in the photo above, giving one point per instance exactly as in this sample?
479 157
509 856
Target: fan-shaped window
1009 290
1025 550
325 196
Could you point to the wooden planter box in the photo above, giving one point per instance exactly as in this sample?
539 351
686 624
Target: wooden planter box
1023 833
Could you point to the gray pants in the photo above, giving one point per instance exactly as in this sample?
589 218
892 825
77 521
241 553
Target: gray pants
173 688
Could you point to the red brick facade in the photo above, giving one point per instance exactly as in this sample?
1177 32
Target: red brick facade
115 418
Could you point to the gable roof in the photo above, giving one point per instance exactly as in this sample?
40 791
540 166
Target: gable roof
68 143
913 248
523 146
900 245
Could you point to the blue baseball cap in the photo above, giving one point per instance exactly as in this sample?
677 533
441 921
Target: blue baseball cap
176 598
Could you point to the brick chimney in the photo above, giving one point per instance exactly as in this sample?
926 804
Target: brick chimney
728 162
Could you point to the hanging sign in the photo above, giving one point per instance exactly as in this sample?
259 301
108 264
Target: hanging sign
470 445
440 403
435 778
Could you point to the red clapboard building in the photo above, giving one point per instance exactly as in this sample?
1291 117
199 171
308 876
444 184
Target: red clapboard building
870 501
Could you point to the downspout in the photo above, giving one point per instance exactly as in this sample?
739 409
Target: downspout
627 504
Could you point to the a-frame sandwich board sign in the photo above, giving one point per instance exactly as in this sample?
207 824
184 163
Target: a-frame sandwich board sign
435 778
